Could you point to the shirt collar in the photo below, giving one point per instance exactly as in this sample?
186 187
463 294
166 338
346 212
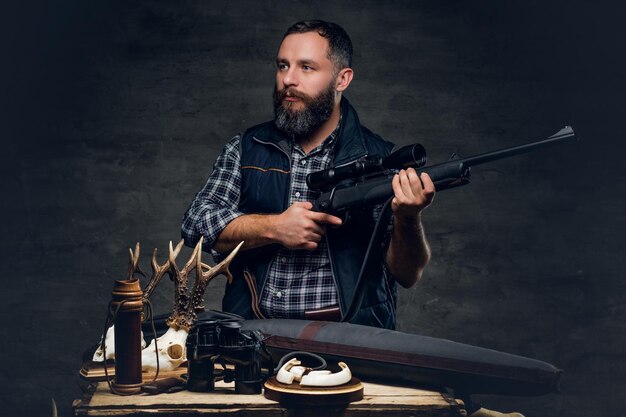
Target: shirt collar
330 141
332 138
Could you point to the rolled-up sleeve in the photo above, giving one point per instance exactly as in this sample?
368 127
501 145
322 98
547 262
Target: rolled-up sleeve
215 206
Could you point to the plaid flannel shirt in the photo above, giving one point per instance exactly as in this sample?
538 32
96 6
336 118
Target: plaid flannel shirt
297 280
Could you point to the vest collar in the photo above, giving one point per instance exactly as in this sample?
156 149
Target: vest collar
350 142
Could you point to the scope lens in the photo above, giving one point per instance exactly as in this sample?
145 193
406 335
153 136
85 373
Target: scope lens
405 157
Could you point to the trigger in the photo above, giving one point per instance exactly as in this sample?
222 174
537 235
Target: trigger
345 218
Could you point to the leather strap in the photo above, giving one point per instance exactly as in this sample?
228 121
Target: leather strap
311 329
253 294
327 314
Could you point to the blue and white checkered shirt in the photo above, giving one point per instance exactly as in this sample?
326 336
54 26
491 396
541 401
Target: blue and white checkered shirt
301 280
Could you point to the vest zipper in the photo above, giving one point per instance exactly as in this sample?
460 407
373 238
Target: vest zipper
330 256
285 204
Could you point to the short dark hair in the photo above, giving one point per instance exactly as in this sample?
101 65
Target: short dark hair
339 43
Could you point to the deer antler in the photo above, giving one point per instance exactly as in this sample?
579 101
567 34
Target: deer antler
202 281
133 264
158 271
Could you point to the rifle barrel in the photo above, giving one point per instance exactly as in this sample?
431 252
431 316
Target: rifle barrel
566 133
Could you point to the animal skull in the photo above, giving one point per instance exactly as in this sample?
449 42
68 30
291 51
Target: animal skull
170 349
109 342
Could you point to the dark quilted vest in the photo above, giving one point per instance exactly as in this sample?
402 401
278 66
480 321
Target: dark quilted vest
265 167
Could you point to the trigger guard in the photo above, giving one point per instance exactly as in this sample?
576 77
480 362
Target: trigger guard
345 218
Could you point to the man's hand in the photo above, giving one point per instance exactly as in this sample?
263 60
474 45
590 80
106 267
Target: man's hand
299 227
408 251
413 193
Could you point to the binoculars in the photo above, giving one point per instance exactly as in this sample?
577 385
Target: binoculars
219 341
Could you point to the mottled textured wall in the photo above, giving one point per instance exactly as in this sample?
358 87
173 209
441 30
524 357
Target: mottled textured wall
113 114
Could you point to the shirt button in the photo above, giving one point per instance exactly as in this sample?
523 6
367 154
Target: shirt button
303 162
283 259
298 194
279 294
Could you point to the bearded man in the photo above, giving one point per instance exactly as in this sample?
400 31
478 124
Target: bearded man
299 263
295 262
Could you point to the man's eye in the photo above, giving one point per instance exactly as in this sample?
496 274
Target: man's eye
282 67
307 68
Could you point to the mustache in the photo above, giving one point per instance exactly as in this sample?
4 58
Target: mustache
291 92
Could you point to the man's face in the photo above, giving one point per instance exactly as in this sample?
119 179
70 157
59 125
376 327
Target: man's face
304 95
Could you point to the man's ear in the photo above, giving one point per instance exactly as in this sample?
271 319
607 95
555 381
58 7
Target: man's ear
343 80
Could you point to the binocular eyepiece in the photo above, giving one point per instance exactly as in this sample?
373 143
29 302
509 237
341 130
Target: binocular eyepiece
223 342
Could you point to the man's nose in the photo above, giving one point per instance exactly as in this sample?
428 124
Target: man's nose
290 78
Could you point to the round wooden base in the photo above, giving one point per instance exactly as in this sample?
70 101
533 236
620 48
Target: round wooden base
295 394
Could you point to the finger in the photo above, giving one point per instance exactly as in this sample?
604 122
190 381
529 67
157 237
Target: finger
397 188
304 204
310 246
429 188
405 186
427 183
315 237
316 229
325 218
414 182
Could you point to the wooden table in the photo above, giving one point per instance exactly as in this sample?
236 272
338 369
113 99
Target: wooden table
379 400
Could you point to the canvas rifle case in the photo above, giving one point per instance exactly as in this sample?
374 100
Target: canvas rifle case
409 359
399 358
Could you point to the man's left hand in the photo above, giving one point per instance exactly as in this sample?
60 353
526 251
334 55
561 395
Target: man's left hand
413 193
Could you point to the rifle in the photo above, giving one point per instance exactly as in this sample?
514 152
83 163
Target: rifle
367 181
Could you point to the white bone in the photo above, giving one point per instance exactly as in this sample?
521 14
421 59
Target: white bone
298 372
171 351
322 372
109 343
284 375
326 379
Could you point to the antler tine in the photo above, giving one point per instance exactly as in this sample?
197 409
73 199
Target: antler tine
223 267
199 263
154 262
133 264
178 247
172 255
157 273
191 263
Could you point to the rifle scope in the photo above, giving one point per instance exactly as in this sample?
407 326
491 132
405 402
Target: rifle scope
405 157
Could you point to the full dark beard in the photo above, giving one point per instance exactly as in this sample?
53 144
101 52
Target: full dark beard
316 111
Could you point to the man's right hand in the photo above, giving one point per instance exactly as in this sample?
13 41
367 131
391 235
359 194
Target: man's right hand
299 227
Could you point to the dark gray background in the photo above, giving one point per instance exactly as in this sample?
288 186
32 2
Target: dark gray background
113 113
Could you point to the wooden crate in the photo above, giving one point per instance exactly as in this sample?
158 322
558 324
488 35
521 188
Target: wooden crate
378 400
